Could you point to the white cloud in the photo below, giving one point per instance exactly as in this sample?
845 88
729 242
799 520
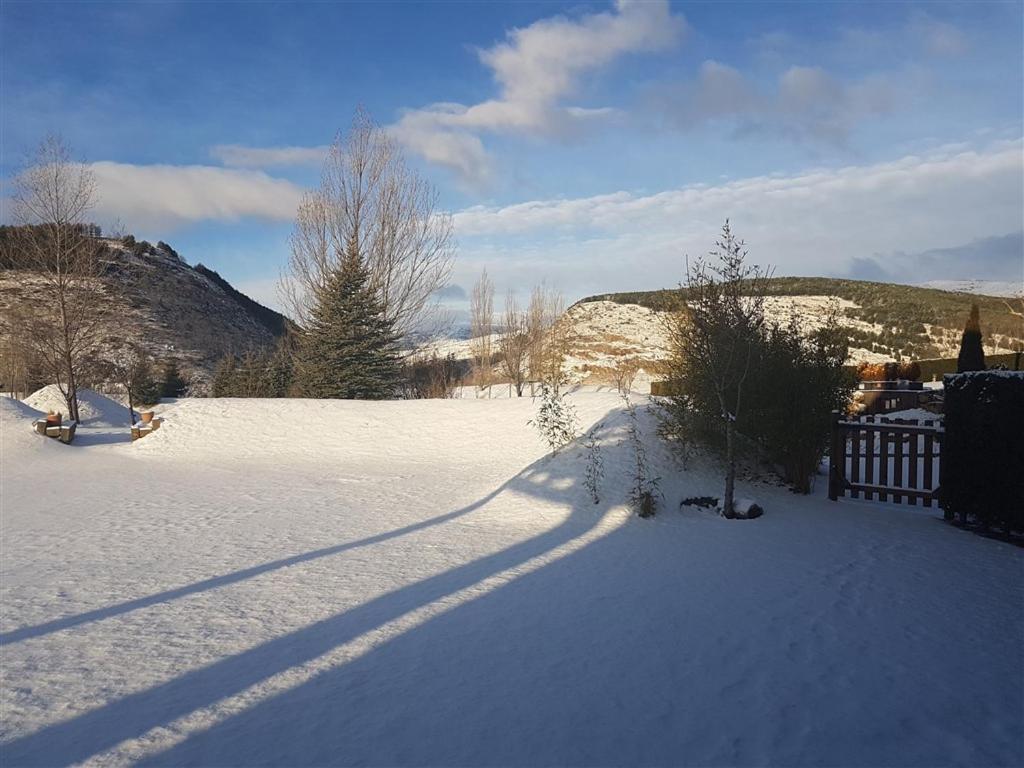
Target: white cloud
162 197
537 68
939 38
805 102
236 156
813 223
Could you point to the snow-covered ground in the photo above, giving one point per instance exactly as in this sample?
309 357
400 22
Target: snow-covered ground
1008 288
297 582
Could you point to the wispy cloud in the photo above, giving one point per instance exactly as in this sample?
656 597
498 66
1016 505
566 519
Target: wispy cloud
817 222
163 197
236 156
536 68
938 38
803 103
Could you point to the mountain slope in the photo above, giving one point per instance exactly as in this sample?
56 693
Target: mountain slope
177 312
884 320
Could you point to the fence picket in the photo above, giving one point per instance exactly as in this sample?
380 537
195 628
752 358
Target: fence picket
869 463
854 463
883 465
897 464
912 466
929 458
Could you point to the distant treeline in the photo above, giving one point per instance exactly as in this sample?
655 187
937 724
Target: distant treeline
14 257
901 310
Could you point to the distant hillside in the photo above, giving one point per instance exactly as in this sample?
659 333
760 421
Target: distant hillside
187 314
883 319
273 321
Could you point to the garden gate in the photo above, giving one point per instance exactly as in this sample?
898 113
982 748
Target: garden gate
882 458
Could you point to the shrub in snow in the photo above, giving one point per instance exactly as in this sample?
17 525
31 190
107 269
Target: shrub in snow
799 381
745 509
699 501
173 385
644 489
983 448
433 377
556 419
257 373
972 355
791 385
594 472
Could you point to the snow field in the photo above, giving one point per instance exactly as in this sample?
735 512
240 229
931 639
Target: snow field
415 583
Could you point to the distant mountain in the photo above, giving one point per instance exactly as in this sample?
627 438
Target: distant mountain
884 321
177 312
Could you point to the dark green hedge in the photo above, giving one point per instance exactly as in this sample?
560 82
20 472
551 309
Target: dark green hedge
983 449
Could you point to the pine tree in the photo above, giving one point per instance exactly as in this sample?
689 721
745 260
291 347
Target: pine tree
225 376
349 350
972 355
173 384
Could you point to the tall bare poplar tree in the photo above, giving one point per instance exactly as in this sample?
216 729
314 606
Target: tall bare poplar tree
481 326
514 343
549 339
52 197
369 196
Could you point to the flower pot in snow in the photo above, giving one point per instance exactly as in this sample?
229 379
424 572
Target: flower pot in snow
147 416
53 419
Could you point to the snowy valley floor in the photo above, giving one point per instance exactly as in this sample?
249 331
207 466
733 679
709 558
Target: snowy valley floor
414 583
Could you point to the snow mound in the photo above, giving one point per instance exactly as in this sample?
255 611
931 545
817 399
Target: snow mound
93 408
16 426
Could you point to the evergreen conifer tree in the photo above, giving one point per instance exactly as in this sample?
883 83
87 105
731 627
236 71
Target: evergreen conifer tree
225 376
349 350
972 355
173 384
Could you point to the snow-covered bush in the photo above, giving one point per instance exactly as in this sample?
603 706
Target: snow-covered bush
594 473
792 383
556 419
644 490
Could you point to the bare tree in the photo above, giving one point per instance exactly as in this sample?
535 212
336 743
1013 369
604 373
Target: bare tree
481 327
51 198
19 367
625 372
715 336
369 196
514 343
132 369
549 335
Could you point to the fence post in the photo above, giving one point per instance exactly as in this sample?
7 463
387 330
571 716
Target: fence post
837 460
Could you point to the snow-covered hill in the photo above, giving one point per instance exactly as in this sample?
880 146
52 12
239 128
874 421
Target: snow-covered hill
296 582
1008 288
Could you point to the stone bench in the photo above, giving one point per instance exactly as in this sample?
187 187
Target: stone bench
64 432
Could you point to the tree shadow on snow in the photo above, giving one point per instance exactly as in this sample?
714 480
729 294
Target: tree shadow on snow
67 622
404 686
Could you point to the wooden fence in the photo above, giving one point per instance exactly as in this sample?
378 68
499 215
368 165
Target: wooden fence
887 459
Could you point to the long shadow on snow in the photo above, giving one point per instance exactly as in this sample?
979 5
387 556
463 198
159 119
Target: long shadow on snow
56 625
77 739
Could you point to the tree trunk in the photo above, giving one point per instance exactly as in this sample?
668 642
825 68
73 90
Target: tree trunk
730 470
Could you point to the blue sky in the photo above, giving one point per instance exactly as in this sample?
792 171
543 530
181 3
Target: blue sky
589 144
